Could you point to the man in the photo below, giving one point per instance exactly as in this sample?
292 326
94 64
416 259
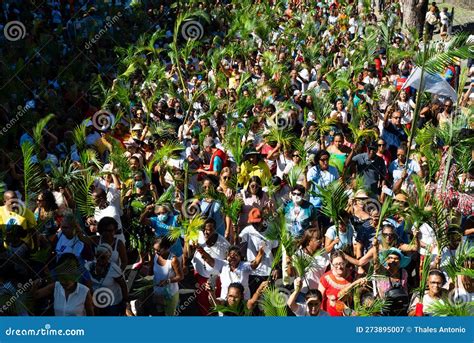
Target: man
216 246
15 212
313 301
393 131
253 237
104 209
253 166
370 166
400 171
218 158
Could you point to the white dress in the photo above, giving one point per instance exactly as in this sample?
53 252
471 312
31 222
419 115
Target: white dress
74 305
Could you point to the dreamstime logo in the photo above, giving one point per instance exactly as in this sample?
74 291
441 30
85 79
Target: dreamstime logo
14 30
103 297
278 299
21 112
372 205
109 22
18 206
190 208
192 30
21 289
102 120
456 299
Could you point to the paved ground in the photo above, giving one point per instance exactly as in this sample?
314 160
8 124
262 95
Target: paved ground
463 17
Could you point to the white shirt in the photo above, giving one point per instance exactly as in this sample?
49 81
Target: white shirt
254 241
217 251
240 275
108 283
75 303
302 311
396 170
110 211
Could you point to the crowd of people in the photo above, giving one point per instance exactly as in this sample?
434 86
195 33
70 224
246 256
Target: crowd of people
268 161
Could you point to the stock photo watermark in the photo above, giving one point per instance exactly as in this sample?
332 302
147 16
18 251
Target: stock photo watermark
21 112
14 31
109 22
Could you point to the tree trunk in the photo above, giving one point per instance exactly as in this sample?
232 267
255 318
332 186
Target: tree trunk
414 12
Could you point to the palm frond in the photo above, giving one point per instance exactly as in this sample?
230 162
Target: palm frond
79 137
39 128
335 200
448 309
167 196
31 173
273 302
82 191
189 229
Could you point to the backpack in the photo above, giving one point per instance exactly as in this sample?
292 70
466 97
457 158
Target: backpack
397 300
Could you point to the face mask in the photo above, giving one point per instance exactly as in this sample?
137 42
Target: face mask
167 117
162 217
139 184
194 146
297 198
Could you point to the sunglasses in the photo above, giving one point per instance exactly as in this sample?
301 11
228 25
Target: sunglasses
297 193
382 144
324 159
389 234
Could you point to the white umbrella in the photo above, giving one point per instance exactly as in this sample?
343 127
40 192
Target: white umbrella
433 83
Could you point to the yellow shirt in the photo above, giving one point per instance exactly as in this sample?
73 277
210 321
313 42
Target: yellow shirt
26 220
247 170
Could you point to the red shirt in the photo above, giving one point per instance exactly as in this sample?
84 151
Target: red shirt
331 295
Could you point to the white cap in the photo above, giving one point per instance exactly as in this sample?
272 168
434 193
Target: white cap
137 127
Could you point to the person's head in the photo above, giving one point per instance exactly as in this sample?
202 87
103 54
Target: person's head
235 294
195 144
401 200
384 81
139 181
103 253
372 150
209 144
322 157
403 96
312 239
68 225
207 185
255 185
253 158
374 217
381 146
209 229
296 157
67 271
402 155
339 105
436 280
162 213
99 197
313 300
225 176
134 163
396 118
388 234
234 256
162 246
47 201
297 194
454 236
338 264
338 140
10 199
14 233
393 259
107 227
448 105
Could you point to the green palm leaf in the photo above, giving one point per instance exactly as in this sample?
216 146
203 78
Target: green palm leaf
39 128
273 303
335 200
31 173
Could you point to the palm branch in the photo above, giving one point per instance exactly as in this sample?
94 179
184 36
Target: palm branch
189 229
448 309
79 137
439 223
335 200
167 196
233 143
294 174
166 151
118 158
82 190
273 302
38 129
425 270
416 213
65 174
31 173
464 252
375 308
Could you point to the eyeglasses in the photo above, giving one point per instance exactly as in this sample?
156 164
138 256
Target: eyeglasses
296 155
297 193
389 234
436 283
324 159
340 264
383 144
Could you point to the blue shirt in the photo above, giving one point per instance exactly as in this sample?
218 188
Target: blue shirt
321 178
299 218
163 228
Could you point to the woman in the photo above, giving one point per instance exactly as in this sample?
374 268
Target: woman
310 245
253 197
338 152
359 215
107 227
342 239
210 208
333 282
395 280
46 214
339 113
435 292
224 183
321 175
405 107
71 298
386 94
383 152
108 283
253 166
233 269
167 272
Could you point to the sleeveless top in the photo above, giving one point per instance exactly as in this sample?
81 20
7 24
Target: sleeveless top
66 245
115 258
74 304
161 273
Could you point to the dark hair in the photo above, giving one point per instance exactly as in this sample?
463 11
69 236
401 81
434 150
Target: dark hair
238 286
105 222
163 241
439 273
299 188
236 249
257 180
308 234
49 201
210 221
320 154
314 293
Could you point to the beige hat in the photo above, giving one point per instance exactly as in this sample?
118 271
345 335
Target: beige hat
361 194
401 197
